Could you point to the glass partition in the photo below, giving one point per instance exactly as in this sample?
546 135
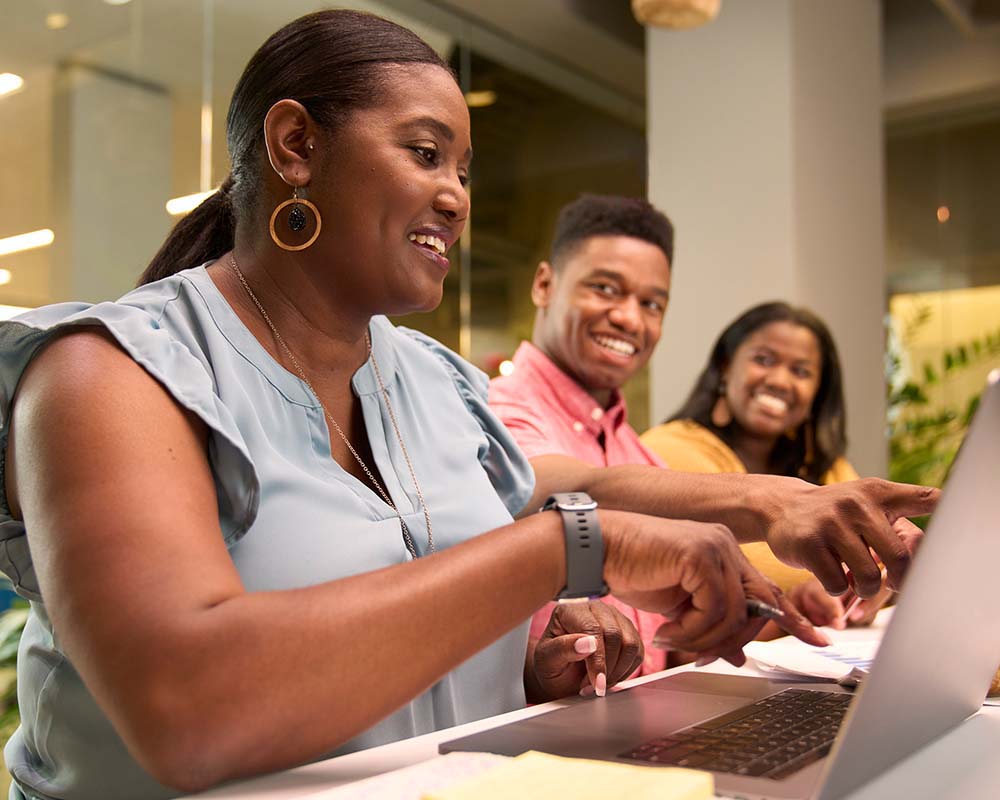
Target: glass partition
115 108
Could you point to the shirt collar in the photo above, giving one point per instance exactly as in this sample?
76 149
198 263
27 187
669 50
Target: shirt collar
364 380
571 395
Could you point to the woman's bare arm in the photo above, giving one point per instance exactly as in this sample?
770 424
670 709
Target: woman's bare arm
198 676
205 681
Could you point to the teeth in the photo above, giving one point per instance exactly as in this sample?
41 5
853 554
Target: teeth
775 404
431 241
617 345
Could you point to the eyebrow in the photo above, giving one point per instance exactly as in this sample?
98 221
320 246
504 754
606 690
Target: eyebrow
604 272
439 127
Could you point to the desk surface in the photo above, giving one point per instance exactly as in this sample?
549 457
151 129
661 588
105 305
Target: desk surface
963 765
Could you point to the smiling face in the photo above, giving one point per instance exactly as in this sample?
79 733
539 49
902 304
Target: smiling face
393 195
600 313
773 379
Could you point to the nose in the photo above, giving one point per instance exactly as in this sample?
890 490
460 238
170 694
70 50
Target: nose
452 199
779 377
626 314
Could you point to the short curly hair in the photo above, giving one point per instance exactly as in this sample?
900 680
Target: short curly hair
610 215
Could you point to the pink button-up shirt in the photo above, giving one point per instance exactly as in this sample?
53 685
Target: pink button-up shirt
551 414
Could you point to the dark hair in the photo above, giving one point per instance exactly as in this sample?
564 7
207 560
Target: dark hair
333 63
827 415
610 215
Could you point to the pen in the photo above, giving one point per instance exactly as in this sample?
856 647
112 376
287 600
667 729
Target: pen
755 608
856 602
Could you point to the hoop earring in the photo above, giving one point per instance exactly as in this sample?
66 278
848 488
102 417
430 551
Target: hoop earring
810 444
722 414
297 220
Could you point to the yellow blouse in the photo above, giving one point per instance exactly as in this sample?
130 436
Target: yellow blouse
689 447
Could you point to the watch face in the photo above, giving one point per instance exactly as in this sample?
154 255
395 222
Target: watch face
587 506
571 501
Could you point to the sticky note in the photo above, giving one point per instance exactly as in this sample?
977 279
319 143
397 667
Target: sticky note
540 776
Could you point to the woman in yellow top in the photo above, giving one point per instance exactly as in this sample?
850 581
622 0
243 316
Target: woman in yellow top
770 400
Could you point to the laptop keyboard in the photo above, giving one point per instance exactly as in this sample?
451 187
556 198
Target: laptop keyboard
771 738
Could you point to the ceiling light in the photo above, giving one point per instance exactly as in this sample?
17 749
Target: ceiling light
480 99
182 205
56 21
943 214
5 277
10 83
506 368
26 241
679 14
117 2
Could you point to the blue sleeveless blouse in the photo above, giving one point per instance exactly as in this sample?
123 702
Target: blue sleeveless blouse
289 514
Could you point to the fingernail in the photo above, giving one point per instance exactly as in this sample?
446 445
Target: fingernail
857 615
586 645
601 685
587 691
660 644
704 661
824 638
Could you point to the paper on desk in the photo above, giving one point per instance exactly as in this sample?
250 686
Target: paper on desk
846 662
540 776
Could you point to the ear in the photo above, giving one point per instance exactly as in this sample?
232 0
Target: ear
290 135
541 285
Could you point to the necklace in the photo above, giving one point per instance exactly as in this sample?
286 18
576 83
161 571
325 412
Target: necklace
340 432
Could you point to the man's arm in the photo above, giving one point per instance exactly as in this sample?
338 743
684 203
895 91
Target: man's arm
820 528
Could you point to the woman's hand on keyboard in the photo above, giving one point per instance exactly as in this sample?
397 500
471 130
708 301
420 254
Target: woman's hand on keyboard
587 647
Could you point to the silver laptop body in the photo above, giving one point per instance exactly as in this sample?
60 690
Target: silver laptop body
931 672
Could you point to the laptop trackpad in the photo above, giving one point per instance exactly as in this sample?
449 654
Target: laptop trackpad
603 727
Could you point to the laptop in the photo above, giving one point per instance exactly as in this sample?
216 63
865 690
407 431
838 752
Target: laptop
765 738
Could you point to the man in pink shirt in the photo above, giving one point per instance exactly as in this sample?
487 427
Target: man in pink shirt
601 301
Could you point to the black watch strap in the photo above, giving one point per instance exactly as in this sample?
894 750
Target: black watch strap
584 545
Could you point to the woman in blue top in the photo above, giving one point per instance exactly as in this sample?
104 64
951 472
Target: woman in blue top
266 526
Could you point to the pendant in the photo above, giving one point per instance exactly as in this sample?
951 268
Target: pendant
296 218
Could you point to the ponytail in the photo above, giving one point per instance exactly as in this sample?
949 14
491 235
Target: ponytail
203 235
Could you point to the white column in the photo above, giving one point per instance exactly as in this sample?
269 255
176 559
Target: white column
111 178
765 149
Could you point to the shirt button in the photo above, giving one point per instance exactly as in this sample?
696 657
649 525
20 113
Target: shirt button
596 414
578 426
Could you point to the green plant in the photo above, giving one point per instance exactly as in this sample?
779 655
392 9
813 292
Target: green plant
924 436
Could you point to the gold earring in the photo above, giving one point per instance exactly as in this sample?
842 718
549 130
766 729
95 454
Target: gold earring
810 448
296 221
722 414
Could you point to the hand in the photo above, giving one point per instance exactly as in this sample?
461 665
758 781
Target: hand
818 605
586 646
861 611
824 528
695 575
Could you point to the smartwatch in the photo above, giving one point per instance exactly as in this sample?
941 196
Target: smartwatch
584 545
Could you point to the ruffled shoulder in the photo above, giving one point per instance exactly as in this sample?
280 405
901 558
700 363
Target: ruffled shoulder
135 324
508 468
